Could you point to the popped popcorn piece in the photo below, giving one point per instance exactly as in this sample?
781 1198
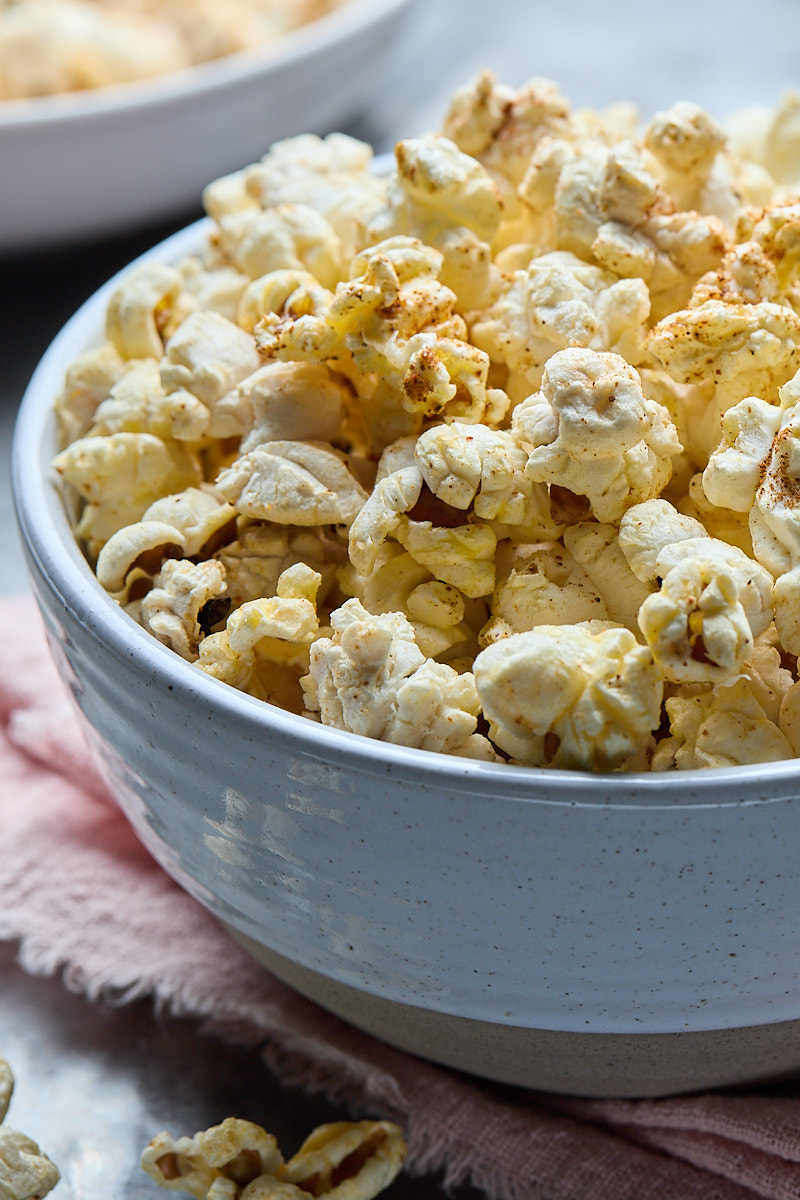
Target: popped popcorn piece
292 483
185 602
394 494
370 677
235 1150
286 237
470 466
737 350
398 583
137 403
696 625
770 138
560 301
598 551
546 587
286 401
261 553
89 380
207 356
393 318
140 548
218 289
645 529
501 126
287 293
462 555
347 1160
120 476
724 727
733 474
592 430
569 696
203 520
144 309
687 145
6 1087
25 1172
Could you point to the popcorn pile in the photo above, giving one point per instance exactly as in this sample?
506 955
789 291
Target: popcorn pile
25 1173
49 46
493 455
237 1160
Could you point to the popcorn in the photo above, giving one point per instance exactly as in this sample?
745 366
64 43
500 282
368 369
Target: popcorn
207 356
501 440
25 1172
567 696
119 476
237 1160
724 727
371 678
293 483
184 603
592 430
143 310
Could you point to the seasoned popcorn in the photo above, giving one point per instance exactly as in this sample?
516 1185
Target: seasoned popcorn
50 46
494 454
25 1172
237 1160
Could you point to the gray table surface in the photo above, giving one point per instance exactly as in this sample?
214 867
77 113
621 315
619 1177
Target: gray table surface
95 1082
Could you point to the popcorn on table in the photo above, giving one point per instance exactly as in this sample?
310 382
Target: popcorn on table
238 1160
494 455
25 1172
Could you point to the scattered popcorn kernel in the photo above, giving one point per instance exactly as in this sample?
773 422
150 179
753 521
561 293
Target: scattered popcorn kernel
293 483
592 430
25 1172
347 1160
235 1150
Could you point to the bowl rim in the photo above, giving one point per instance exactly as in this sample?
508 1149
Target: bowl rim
47 538
230 72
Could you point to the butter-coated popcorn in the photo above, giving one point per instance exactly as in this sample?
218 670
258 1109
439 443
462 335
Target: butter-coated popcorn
491 453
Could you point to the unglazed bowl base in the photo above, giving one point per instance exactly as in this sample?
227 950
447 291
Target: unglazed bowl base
580 1064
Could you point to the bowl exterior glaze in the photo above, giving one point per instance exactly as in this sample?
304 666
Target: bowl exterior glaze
623 934
93 163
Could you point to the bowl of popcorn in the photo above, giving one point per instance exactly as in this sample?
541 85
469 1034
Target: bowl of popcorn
113 116
420 546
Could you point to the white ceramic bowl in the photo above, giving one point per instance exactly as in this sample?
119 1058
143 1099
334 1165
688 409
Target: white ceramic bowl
626 935
116 158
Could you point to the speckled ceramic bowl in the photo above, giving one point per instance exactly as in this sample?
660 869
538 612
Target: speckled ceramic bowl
625 935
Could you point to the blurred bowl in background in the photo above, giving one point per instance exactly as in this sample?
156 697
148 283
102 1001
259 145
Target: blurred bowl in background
115 159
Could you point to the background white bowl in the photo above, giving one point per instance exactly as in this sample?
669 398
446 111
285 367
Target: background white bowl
113 159
617 935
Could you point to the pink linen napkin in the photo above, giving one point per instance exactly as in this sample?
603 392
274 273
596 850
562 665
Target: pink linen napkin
67 856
